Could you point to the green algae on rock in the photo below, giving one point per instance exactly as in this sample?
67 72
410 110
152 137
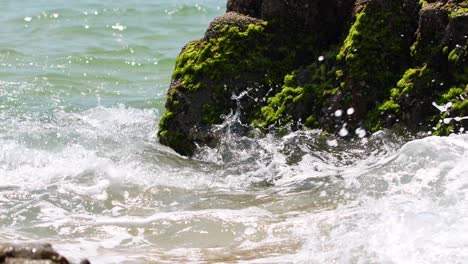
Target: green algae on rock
302 95
238 54
278 65
439 72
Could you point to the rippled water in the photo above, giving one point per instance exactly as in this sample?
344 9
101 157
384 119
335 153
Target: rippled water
82 87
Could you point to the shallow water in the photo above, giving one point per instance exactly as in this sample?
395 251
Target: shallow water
82 87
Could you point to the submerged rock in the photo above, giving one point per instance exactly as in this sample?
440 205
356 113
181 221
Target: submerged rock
340 66
11 253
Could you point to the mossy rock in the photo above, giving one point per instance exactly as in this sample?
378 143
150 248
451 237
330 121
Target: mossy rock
231 69
391 62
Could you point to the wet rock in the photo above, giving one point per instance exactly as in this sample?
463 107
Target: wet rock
279 64
31 253
208 73
326 18
246 7
439 75
230 19
230 71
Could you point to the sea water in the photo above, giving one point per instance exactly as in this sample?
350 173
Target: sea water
82 88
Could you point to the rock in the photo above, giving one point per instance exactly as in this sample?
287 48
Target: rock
247 7
283 64
440 73
325 18
238 55
31 253
230 19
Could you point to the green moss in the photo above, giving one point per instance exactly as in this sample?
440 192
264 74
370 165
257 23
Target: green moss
458 11
229 56
232 52
375 55
274 112
406 84
166 117
163 133
388 106
445 49
443 129
452 94
458 97
312 122
212 114
298 102
373 52
454 55
374 121
412 84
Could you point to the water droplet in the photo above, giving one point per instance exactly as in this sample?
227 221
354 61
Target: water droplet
338 113
321 58
361 133
332 143
119 27
442 108
343 132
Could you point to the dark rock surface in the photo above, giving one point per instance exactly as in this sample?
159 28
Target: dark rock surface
293 64
31 253
326 18
251 8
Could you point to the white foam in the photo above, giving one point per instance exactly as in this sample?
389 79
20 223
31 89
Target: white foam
99 179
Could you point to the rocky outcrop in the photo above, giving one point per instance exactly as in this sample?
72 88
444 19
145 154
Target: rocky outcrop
31 254
338 65
325 19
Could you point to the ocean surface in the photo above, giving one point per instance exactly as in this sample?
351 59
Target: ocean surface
82 88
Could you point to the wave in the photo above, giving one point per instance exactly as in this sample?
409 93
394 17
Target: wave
73 177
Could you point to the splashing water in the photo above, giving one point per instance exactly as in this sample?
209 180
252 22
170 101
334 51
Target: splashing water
80 166
103 185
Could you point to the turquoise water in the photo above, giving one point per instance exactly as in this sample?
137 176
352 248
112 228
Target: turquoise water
75 56
82 88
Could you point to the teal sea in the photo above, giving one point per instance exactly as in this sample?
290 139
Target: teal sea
82 88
